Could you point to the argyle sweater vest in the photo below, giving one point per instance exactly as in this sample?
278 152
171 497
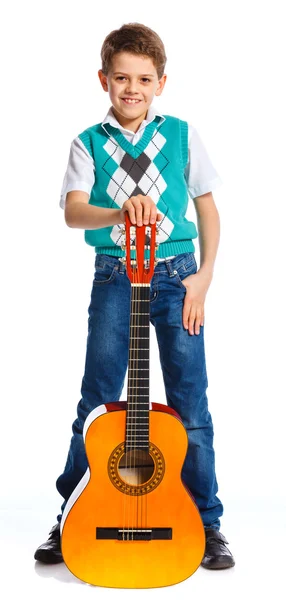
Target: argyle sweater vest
153 167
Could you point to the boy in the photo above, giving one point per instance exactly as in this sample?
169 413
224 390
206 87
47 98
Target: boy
137 159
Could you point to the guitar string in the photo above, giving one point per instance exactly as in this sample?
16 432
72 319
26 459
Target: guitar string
132 500
136 457
144 497
126 500
136 470
131 407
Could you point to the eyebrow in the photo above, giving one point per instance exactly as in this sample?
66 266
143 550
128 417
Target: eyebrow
142 74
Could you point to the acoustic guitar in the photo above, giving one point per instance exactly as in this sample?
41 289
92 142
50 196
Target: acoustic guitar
131 522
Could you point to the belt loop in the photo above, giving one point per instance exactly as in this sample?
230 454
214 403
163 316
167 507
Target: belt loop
172 272
122 267
168 264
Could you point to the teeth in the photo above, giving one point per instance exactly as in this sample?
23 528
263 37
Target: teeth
131 101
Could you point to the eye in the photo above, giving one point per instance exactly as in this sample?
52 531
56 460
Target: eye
122 77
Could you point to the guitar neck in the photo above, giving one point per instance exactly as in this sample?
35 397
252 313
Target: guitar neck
138 400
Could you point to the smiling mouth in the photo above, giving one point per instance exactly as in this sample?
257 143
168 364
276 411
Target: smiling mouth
130 102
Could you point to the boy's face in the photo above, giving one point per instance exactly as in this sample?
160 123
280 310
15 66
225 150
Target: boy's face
132 76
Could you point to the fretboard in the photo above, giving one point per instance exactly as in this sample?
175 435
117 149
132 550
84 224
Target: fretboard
137 417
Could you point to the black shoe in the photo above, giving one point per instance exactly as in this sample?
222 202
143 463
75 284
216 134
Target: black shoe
217 555
50 552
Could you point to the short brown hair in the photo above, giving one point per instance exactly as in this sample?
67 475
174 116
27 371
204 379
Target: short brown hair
136 39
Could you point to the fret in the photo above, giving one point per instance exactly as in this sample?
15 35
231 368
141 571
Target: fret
142 409
132 390
138 435
140 313
139 358
134 369
146 446
146 378
139 325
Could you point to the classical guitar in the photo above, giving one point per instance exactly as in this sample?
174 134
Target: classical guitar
131 522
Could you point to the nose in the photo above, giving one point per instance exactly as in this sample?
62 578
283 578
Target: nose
131 87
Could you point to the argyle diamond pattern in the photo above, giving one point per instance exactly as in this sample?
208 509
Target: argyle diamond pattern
135 176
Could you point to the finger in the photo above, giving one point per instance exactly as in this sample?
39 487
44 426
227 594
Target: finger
138 210
154 214
131 212
186 312
197 323
147 213
150 210
192 317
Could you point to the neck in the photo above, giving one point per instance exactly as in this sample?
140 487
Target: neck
131 124
138 398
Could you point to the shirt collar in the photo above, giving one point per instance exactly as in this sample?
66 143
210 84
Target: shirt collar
151 114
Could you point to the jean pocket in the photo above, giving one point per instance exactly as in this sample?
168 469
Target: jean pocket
104 273
184 270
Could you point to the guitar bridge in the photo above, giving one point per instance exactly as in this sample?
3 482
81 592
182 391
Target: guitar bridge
134 535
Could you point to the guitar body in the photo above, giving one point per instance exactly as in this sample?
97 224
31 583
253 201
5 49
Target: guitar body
132 524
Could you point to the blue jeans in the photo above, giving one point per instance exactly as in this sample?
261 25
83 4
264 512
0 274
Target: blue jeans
182 359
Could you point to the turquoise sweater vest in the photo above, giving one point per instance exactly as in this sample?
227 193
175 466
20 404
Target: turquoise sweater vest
153 167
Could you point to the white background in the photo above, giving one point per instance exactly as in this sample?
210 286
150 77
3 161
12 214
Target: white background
225 73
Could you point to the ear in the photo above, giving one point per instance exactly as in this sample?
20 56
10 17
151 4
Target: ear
161 85
103 80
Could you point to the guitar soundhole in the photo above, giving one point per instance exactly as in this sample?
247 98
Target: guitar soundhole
136 467
136 472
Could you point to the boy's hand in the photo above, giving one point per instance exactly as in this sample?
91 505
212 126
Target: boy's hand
193 310
141 209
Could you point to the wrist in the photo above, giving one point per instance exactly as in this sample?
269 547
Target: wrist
207 270
119 217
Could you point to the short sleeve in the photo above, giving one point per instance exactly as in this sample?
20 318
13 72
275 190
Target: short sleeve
200 174
79 174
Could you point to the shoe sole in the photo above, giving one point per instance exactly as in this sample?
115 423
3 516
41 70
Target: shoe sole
219 564
41 556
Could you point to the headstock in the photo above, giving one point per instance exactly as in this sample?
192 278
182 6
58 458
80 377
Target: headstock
141 239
